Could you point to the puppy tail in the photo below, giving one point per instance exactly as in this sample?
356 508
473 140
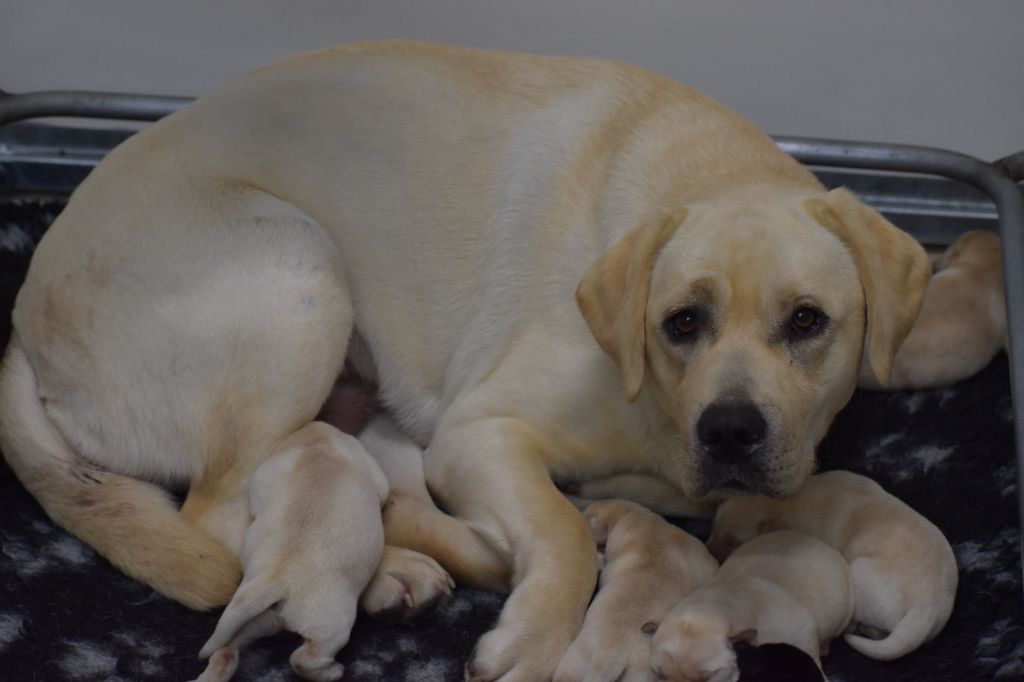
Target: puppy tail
249 601
913 630
132 523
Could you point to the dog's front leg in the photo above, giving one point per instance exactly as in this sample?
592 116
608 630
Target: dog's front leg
492 474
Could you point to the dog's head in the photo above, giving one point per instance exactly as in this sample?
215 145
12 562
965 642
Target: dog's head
747 317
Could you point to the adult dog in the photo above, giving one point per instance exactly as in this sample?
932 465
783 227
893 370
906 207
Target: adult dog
441 217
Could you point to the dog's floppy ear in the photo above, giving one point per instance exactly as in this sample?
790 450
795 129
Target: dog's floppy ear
894 272
613 296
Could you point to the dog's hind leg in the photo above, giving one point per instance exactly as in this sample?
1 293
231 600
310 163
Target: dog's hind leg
131 522
326 626
310 663
194 332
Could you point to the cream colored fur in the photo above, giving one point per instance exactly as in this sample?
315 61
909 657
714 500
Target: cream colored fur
313 545
962 323
649 491
783 587
904 571
649 565
443 216
411 582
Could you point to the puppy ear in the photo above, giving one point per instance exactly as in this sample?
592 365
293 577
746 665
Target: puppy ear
613 296
894 272
743 636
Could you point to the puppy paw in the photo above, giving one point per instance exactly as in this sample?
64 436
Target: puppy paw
407 584
221 666
607 654
328 673
309 665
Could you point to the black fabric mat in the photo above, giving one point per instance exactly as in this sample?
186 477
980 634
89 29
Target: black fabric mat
65 614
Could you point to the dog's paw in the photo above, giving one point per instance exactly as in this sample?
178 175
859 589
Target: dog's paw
515 652
407 584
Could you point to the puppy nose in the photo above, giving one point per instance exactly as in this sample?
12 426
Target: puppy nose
731 432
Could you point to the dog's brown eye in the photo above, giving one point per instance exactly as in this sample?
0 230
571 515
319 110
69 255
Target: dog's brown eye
805 320
683 324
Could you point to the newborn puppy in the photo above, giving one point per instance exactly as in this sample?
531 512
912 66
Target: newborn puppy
784 587
649 565
962 322
315 541
904 572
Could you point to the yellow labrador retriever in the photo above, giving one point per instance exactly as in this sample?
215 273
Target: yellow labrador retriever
554 268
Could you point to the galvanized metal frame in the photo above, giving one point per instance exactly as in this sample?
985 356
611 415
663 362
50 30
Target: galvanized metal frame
998 180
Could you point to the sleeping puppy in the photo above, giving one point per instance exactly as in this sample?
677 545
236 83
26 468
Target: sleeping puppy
315 540
962 323
784 587
904 571
649 565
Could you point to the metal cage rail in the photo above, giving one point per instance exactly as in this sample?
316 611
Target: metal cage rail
997 180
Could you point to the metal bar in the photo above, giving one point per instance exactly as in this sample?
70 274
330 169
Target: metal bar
1012 165
87 105
1010 206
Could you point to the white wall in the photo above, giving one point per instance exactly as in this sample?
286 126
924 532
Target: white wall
947 73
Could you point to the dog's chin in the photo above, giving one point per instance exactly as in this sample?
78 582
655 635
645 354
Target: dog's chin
716 482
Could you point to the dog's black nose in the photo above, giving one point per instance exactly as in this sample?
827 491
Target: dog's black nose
731 432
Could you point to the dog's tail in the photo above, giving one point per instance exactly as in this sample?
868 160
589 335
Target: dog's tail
915 628
250 600
132 523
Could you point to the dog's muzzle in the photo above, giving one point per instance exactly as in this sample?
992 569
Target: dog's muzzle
732 441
